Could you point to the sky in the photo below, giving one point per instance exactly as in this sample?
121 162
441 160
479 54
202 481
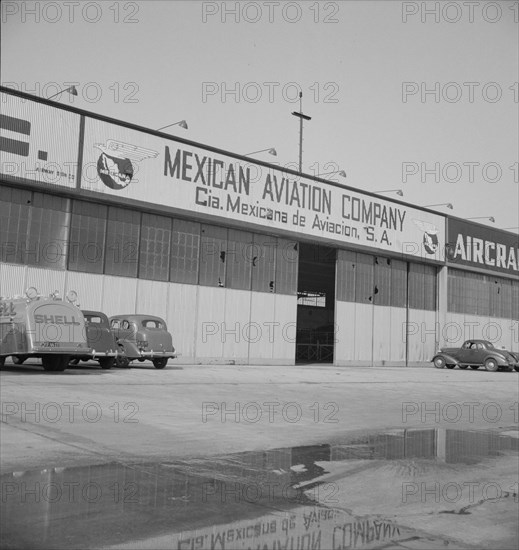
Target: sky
417 96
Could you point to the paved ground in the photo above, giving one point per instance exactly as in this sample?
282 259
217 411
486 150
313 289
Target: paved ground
187 415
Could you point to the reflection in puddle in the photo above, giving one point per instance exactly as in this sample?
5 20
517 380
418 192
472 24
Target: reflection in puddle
244 500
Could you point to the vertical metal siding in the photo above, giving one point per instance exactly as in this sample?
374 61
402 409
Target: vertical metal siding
12 279
182 305
119 295
89 287
423 342
345 331
237 329
152 298
262 310
363 329
46 280
284 349
210 320
381 333
398 334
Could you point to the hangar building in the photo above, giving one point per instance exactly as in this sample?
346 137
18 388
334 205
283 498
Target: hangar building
247 262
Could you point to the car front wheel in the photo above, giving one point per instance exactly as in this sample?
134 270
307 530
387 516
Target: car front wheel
439 362
491 365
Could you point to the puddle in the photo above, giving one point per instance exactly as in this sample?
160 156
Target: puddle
280 499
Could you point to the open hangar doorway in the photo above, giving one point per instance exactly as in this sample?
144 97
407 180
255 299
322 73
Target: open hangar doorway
315 334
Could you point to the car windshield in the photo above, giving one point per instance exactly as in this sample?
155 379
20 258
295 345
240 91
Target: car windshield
94 319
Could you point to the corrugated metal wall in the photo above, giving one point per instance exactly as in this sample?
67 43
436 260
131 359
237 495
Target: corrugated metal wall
209 324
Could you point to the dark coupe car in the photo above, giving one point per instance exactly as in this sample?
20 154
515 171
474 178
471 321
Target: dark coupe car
100 338
474 354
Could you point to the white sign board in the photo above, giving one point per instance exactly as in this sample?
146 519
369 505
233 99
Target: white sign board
130 164
37 142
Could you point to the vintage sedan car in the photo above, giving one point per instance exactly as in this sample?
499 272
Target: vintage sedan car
142 337
474 354
100 339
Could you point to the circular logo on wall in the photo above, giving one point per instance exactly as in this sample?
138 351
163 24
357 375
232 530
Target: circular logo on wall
430 236
115 164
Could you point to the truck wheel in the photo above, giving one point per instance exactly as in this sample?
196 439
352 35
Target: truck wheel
439 362
160 363
55 363
122 361
18 359
107 362
491 365
463 367
475 367
450 366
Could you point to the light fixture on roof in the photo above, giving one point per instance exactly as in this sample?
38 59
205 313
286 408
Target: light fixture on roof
446 204
181 123
71 90
489 218
270 151
399 192
341 173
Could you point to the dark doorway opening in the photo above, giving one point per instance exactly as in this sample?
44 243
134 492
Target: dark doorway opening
315 335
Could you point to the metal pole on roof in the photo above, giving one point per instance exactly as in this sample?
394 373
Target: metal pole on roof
301 117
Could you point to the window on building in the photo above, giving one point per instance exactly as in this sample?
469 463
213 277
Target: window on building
398 283
154 250
87 237
382 282
263 263
185 252
287 261
346 271
122 242
47 240
422 284
15 205
364 278
238 259
213 255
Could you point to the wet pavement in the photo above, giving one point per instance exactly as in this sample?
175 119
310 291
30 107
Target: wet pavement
399 488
